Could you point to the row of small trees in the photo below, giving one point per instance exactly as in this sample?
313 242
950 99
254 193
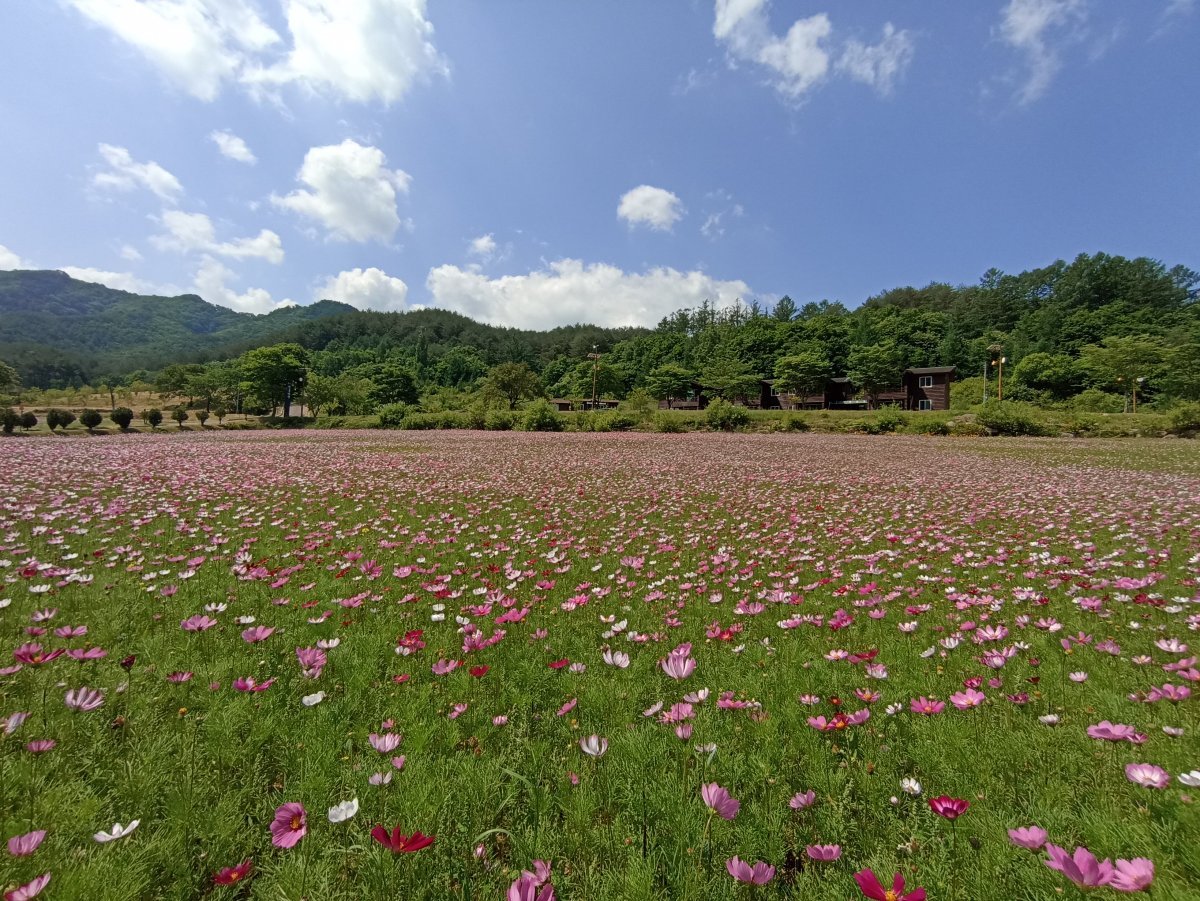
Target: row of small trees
122 417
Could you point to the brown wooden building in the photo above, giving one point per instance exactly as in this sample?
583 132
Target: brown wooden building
921 388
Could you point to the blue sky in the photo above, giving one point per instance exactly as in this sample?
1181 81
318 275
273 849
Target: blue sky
540 163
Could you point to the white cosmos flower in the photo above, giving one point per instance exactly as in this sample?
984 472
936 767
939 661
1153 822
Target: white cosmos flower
1050 719
245 620
1191 780
910 786
118 831
313 700
339 813
328 644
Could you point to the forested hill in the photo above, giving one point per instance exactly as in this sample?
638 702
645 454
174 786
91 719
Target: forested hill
54 328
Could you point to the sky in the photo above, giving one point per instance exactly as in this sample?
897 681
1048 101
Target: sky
535 163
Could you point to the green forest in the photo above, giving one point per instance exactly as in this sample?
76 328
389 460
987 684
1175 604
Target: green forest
1082 335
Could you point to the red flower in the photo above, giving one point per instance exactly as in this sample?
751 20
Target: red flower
400 844
559 664
234 875
950 808
868 883
479 671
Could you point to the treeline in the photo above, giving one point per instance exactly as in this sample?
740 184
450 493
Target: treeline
1091 334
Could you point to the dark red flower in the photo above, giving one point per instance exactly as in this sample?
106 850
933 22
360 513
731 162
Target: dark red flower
559 664
234 875
479 671
950 808
399 843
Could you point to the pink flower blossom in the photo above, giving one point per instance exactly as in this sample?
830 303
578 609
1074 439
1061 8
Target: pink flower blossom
255 634
1147 775
803 800
1132 875
824 852
1031 838
757 873
289 826
717 800
965 700
24 845
1082 867
926 706
29 890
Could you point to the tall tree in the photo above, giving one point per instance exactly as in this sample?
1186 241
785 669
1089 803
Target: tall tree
276 373
874 369
670 382
514 381
802 374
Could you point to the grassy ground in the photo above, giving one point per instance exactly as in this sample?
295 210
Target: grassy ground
553 549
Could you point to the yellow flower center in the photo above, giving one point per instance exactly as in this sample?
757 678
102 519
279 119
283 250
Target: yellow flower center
891 896
295 822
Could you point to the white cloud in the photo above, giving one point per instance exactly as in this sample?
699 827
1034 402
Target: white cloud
1179 8
232 147
657 208
122 281
195 232
131 253
9 260
366 289
878 65
209 283
350 191
197 44
1027 26
569 291
483 247
361 50
124 173
800 60
720 208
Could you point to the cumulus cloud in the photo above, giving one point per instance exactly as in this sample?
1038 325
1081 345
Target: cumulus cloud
232 147
366 289
657 208
878 65
9 259
1029 26
210 283
802 59
122 172
195 233
483 247
122 281
348 190
361 50
569 291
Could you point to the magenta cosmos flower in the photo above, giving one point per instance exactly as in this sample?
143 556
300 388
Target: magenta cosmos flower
719 802
1082 867
29 890
527 888
678 666
24 845
926 706
1106 731
758 873
257 633
869 885
950 808
803 800
824 852
83 699
289 826
1148 775
965 700
1031 838
1132 875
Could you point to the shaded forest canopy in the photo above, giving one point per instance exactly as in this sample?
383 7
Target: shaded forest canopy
58 332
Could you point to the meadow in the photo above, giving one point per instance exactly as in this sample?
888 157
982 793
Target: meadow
463 665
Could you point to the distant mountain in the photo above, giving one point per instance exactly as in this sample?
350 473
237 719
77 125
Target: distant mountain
50 322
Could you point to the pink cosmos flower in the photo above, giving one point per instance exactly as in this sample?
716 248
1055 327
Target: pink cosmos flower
84 699
14 721
803 800
926 706
289 826
179 677
824 852
24 845
199 623
1147 775
247 683
965 700
1132 875
457 710
31 654
29 890
869 885
567 707
1106 731
678 667
527 888
257 633
1082 867
593 745
85 655
41 745
719 802
1031 838
950 808
385 743
757 873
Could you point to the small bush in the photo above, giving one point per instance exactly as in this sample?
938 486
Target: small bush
28 421
668 423
617 422
796 424
153 417
89 419
723 415
392 416
1184 420
884 422
498 420
924 425
1002 417
420 422
541 416
122 416
180 415
9 420
220 412
1093 400
59 419
967 428
201 416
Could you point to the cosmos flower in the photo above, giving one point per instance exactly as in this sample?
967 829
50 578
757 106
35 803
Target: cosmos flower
824 852
1147 775
398 843
289 826
29 890
1081 867
339 813
118 831
717 800
757 873
803 800
24 845
1031 838
869 885
234 875
950 808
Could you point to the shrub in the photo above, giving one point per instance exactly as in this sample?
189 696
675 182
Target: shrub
796 424
122 416
420 422
1002 417
540 416
9 420
924 425
180 415
616 422
201 416
887 420
966 428
59 419
1093 400
725 416
220 412
392 416
89 419
498 420
1184 420
28 421
153 416
668 423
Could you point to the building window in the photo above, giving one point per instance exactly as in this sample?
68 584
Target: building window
774 391
924 381
924 404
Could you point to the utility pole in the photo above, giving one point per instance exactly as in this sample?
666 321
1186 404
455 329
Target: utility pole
595 358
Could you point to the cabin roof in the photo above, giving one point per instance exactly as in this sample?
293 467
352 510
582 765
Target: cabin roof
930 370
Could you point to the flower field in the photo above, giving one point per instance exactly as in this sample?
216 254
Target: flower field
619 666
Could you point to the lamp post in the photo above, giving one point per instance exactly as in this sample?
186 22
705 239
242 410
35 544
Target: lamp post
1000 379
1137 382
595 358
993 351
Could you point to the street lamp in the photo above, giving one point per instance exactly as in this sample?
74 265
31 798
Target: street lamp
1000 379
993 350
1136 383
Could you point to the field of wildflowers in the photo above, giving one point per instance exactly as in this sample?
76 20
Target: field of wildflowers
479 666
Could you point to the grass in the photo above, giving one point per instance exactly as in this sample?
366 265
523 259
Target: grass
680 537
